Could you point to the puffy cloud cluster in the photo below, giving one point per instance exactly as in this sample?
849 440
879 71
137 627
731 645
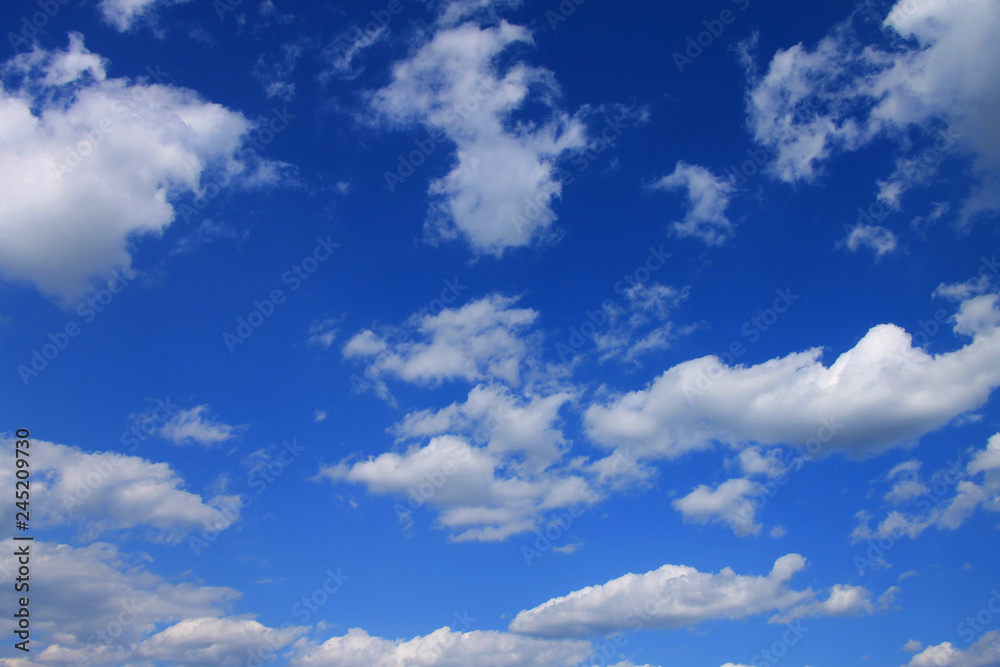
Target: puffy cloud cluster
941 68
88 163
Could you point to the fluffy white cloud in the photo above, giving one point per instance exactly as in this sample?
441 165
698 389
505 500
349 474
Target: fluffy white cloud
843 600
509 425
442 648
475 492
880 393
216 641
708 198
482 340
195 425
97 603
88 163
727 503
942 67
107 491
983 653
500 190
672 596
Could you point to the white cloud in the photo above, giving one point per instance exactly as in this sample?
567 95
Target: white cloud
945 502
477 495
195 425
107 491
96 589
912 646
942 67
442 648
501 187
843 600
708 198
727 503
880 393
672 596
770 463
215 641
983 653
878 239
508 424
88 164
482 340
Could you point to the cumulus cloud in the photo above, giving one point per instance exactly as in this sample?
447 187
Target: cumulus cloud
442 648
88 164
672 596
97 589
478 497
941 68
882 392
708 198
507 423
215 641
502 184
482 340
983 653
107 491
727 503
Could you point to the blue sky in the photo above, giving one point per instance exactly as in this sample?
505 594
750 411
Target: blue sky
487 332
